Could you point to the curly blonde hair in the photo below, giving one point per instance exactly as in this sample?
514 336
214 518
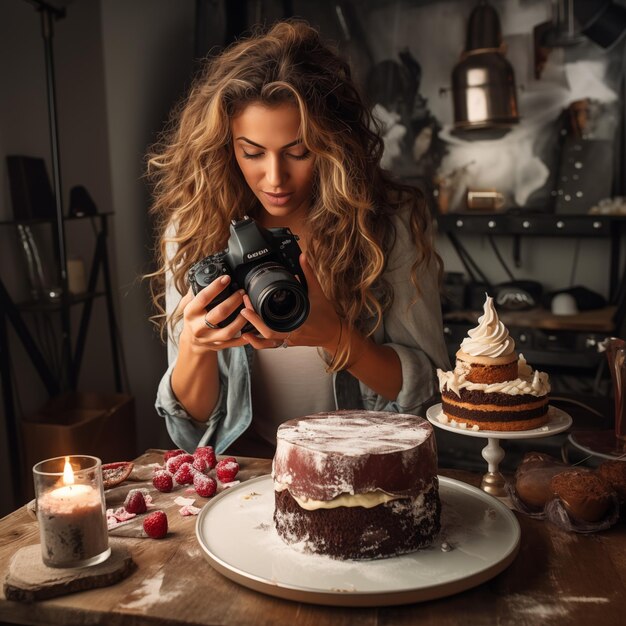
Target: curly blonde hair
198 187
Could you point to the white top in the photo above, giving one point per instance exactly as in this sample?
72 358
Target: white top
288 383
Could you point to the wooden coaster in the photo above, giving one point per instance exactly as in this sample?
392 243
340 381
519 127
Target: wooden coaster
29 579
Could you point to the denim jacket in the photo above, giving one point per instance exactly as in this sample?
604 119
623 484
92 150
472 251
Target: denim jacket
412 327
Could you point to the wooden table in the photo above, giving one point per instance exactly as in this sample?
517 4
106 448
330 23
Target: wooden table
557 578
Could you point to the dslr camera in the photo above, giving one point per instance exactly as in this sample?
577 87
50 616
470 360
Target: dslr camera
264 262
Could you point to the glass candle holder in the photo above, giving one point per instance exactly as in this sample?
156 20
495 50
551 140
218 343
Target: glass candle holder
71 511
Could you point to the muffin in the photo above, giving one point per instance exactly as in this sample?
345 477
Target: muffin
614 473
584 494
533 479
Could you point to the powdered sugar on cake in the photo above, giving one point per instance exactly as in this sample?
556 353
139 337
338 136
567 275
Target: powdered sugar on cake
346 433
346 452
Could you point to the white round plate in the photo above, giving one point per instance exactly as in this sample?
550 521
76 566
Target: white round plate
236 532
558 421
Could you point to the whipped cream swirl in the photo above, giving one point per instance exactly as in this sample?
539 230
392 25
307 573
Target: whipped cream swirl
491 337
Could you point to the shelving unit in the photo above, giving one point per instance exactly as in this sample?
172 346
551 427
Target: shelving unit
13 313
544 338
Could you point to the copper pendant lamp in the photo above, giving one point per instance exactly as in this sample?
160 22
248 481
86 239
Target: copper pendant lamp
483 81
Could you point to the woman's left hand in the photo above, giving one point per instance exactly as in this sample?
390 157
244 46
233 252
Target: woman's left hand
321 328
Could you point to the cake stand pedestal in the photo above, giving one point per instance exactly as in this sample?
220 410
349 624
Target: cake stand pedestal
493 481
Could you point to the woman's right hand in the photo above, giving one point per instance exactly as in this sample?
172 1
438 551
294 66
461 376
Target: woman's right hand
200 327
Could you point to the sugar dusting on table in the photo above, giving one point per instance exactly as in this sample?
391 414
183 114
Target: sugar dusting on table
544 606
150 593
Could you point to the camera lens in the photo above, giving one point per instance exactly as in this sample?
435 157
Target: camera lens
277 297
281 303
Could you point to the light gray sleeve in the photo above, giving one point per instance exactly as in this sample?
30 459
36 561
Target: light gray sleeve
412 326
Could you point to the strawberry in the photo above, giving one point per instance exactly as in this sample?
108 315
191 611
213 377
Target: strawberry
208 453
184 474
172 465
172 453
162 481
135 502
200 463
155 525
205 486
226 470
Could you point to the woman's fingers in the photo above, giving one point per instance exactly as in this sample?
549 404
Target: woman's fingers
205 296
255 319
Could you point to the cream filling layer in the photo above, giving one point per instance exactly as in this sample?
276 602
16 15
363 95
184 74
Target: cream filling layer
534 383
366 500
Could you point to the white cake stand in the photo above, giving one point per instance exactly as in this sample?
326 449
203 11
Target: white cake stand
493 481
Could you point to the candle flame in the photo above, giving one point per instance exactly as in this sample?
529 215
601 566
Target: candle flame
68 472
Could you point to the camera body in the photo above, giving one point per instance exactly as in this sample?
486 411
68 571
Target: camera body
264 262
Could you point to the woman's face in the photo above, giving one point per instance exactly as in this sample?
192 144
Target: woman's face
276 165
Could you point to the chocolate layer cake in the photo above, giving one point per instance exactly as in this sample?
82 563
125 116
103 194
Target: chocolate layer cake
494 410
356 484
491 388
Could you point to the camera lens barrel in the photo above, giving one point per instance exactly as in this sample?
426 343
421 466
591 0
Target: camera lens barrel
277 296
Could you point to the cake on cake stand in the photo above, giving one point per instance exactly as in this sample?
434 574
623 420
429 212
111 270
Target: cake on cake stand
493 481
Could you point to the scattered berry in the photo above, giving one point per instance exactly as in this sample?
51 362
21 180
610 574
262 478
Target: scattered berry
200 463
155 525
207 453
172 453
226 470
172 465
184 474
205 486
162 481
135 502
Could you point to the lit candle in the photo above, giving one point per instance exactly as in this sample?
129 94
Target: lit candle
71 511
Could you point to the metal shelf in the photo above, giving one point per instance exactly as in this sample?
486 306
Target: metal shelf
537 224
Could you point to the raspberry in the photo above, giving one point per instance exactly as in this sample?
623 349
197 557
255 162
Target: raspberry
226 470
207 453
172 465
200 463
172 453
135 502
184 474
162 481
205 486
155 525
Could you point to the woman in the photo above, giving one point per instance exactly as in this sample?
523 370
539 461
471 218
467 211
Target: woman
275 129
